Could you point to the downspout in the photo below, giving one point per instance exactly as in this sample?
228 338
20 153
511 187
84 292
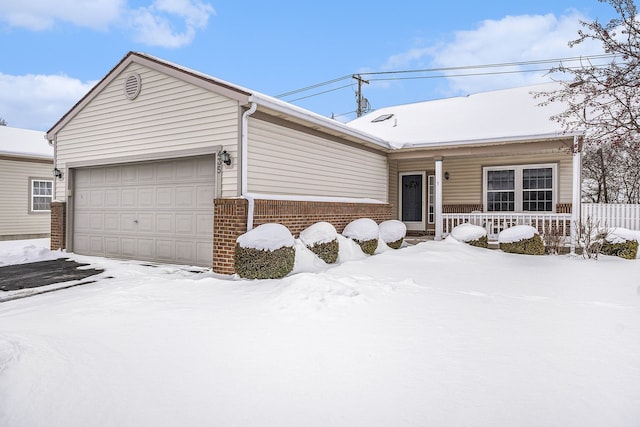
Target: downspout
244 141
53 143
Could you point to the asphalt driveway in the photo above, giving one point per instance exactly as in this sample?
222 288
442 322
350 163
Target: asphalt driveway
36 274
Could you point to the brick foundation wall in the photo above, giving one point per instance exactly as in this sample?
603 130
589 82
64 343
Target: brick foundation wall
230 220
58 225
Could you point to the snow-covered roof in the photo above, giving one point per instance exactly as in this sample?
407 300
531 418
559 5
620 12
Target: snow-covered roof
24 143
488 117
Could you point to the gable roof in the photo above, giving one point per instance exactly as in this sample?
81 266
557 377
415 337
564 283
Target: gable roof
241 94
24 143
508 115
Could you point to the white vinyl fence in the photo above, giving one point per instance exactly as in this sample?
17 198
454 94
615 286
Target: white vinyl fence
613 214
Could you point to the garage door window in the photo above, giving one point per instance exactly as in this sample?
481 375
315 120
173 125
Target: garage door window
41 195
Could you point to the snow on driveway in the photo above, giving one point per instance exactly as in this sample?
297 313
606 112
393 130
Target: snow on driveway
438 334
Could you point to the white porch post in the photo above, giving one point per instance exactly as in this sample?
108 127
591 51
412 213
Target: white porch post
438 202
576 205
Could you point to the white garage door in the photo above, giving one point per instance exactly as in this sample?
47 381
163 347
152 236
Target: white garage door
156 211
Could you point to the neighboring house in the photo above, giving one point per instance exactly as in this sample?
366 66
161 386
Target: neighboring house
164 163
26 171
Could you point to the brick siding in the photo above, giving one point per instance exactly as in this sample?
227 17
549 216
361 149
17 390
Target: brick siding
230 220
58 225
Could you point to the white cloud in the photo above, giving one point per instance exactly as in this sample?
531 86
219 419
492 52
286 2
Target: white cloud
510 39
155 25
38 101
42 15
166 23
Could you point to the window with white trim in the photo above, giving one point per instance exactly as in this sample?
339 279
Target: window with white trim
522 188
41 195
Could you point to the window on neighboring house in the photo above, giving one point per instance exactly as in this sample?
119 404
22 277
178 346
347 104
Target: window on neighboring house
41 195
526 188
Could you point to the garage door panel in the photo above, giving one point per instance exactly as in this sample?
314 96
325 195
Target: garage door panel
165 197
129 174
205 195
166 173
96 244
112 246
128 247
96 222
185 197
96 177
129 198
146 248
146 173
184 224
204 224
165 250
156 211
112 175
165 223
128 222
112 199
146 223
96 198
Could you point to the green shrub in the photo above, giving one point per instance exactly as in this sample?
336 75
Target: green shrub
531 246
396 244
251 263
482 242
368 246
627 249
328 252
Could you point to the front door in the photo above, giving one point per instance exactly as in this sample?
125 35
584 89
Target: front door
413 200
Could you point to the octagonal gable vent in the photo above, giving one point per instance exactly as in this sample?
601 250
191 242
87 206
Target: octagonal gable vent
132 85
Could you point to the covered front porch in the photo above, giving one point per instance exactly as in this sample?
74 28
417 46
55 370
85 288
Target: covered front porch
533 183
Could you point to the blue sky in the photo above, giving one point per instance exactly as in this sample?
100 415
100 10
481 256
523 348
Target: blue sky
53 52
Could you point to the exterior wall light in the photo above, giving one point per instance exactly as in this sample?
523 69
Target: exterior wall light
57 173
223 158
446 176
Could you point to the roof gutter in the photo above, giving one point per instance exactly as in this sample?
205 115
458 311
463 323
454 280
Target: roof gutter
244 143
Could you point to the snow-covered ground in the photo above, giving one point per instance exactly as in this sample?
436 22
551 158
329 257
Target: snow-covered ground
437 334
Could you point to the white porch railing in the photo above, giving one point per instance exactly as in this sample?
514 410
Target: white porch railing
613 214
495 222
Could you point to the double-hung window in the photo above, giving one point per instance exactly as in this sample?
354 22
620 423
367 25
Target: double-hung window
522 188
41 195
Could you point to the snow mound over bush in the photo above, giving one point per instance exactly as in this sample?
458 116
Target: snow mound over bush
320 232
621 235
468 232
267 237
517 233
392 230
362 229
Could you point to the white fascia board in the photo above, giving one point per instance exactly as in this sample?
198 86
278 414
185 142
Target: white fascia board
490 141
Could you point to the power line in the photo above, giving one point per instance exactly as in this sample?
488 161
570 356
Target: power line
440 69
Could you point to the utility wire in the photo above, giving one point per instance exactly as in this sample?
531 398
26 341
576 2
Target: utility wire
431 70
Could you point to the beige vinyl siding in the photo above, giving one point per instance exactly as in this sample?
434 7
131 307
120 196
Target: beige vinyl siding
15 218
167 116
285 161
465 183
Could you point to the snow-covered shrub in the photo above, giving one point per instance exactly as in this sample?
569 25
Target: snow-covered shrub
392 233
266 252
521 239
590 235
364 232
473 235
322 239
621 242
